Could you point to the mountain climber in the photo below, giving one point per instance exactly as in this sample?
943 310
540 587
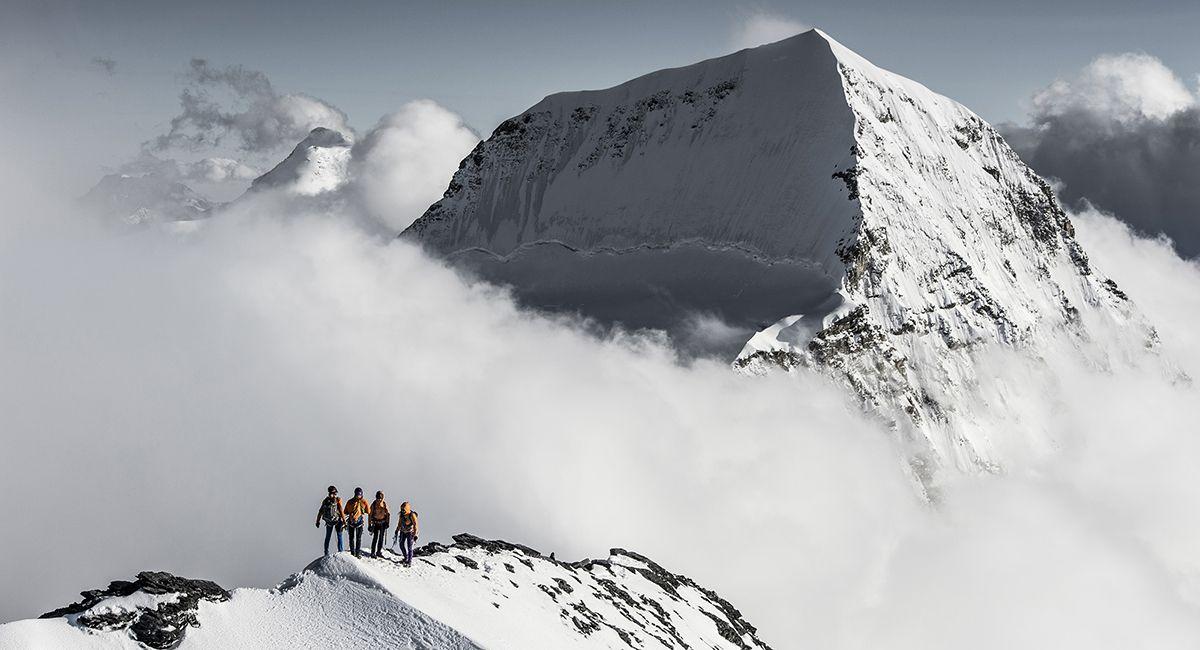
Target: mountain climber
357 511
407 531
381 521
331 513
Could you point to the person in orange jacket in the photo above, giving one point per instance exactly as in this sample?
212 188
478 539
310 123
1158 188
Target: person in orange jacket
357 511
331 513
407 531
381 520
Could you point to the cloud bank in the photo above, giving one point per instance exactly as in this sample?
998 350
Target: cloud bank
217 170
1124 135
404 164
191 396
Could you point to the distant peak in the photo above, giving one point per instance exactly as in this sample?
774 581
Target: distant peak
323 137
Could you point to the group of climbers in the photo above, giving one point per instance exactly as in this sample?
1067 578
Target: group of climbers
376 517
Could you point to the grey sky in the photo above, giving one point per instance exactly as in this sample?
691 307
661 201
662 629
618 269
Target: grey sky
488 60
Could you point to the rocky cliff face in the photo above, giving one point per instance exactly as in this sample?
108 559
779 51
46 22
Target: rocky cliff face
889 232
474 593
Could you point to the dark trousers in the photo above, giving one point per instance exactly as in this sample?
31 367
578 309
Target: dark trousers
329 526
378 537
406 546
356 539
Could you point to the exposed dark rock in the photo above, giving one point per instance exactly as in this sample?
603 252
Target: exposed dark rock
850 178
968 134
782 358
846 336
1114 289
161 627
550 591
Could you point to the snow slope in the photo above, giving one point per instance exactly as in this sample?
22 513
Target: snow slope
473 594
889 232
318 164
697 189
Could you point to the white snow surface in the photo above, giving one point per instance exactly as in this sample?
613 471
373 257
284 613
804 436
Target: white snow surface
792 178
318 164
473 595
132 602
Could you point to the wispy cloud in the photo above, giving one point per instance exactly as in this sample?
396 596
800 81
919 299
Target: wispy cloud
104 64
234 101
1123 134
760 27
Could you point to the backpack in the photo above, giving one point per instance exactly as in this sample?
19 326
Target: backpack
329 510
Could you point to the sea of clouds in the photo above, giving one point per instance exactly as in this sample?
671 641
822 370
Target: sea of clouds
179 401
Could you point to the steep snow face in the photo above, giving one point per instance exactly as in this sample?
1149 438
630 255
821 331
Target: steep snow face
473 594
145 199
702 189
959 245
317 165
892 230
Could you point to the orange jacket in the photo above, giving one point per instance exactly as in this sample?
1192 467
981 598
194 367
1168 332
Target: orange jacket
357 507
379 510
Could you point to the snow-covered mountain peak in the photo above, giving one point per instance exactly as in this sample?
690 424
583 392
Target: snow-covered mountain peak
323 137
318 164
474 593
795 178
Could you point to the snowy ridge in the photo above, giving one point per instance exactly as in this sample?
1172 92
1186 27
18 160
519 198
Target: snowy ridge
791 179
474 593
318 164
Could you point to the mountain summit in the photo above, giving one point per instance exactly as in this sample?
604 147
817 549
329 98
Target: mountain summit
887 231
316 165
